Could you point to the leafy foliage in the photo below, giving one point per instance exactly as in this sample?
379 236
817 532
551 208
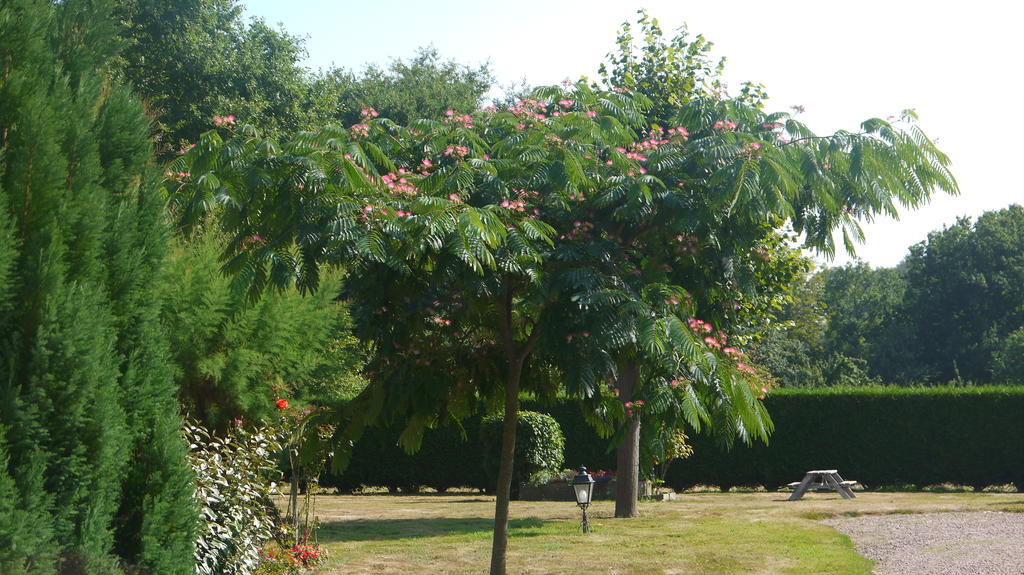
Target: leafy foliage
424 86
948 312
235 356
540 445
965 294
195 59
234 488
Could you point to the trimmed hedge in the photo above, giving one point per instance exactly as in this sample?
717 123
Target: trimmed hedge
878 436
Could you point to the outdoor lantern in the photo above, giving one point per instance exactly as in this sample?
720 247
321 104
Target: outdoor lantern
583 485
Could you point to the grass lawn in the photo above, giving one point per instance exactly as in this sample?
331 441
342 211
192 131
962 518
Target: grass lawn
728 533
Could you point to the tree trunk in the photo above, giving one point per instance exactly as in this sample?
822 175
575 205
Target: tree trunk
627 471
504 487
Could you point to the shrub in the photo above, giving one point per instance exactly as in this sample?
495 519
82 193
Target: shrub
540 446
233 490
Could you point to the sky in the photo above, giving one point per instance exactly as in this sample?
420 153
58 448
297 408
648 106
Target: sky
959 68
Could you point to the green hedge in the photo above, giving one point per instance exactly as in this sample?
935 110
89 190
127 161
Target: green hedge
878 436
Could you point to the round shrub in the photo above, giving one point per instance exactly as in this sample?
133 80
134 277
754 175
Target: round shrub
540 447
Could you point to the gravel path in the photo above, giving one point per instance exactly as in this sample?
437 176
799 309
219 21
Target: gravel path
977 543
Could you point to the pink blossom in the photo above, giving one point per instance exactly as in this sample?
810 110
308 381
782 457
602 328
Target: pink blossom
591 113
427 162
367 208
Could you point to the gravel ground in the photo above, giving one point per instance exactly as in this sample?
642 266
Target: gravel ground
979 543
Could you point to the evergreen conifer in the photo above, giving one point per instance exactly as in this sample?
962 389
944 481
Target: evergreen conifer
93 474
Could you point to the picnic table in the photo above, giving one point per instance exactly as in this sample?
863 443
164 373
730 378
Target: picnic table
822 480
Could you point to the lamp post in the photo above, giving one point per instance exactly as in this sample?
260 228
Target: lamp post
583 485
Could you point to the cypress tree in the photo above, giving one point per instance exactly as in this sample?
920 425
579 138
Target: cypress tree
92 467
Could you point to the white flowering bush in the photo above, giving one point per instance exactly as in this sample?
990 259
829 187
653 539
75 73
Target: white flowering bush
234 484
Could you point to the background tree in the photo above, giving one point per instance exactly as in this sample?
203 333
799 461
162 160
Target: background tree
236 356
196 59
866 320
94 473
965 294
424 86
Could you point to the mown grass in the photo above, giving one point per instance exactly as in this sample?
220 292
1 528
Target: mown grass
706 533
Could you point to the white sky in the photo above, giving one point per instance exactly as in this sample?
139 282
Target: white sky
959 67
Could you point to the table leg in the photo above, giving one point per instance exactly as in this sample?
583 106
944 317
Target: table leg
802 488
838 486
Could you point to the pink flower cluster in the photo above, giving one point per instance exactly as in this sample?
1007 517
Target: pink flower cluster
465 119
368 113
441 321
224 120
745 368
571 336
631 405
456 151
528 108
725 125
360 130
690 244
252 240
750 148
732 352
578 229
673 300
771 126
516 205
177 175
566 103
399 183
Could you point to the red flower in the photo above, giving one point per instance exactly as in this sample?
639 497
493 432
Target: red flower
281 404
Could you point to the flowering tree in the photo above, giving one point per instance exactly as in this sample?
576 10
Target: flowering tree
457 236
480 245
720 190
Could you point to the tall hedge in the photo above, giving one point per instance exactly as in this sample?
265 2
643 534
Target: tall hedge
93 474
878 436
